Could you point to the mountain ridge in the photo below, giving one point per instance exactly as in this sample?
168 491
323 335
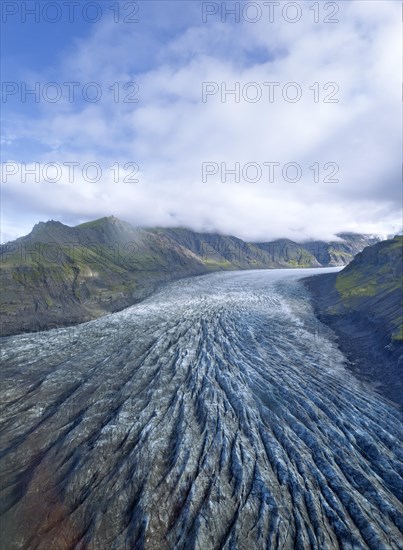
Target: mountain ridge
59 275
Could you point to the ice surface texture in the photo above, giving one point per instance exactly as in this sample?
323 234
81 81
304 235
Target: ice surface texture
217 414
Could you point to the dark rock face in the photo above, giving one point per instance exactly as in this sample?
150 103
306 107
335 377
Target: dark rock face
59 275
364 305
217 414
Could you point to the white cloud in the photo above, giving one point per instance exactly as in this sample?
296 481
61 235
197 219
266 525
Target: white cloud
170 132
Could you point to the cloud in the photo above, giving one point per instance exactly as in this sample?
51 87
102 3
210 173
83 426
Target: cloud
171 132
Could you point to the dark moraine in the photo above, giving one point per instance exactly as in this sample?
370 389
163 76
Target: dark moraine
217 414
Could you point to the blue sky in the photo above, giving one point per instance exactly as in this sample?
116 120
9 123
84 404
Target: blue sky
178 145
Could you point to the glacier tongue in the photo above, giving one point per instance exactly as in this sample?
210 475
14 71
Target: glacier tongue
217 414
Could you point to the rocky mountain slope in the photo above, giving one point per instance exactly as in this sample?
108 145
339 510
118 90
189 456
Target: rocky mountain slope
279 253
60 275
363 304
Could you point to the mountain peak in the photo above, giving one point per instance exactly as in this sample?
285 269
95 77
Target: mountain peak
50 224
106 220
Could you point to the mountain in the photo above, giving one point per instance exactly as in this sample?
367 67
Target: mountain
60 275
279 253
339 253
363 304
230 252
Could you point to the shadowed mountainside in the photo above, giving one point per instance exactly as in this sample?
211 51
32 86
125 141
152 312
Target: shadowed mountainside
363 304
60 275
